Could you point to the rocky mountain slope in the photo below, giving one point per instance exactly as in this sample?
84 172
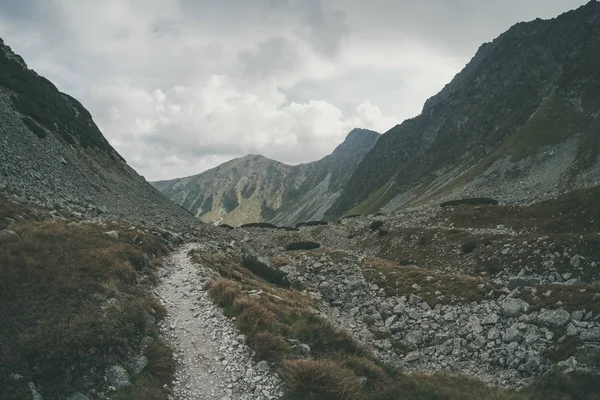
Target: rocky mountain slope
53 154
254 188
501 293
519 122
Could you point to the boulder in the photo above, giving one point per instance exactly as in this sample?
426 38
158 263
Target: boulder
117 377
514 307
137 364
412 356
112 234
590 335
554 317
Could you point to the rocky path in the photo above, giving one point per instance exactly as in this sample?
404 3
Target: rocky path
214 362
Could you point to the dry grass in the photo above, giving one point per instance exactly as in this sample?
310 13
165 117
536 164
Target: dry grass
320 380
70 298
398 280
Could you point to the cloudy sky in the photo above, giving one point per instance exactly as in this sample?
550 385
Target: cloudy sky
180 86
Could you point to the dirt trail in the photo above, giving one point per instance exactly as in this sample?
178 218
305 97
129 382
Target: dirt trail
214 362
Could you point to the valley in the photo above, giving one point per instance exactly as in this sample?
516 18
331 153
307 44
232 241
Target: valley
455 256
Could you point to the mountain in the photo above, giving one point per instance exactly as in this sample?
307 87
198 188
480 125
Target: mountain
53 154
254 188
519 122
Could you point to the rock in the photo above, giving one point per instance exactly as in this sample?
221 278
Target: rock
414 299
513 334
399 308
262 366
35 395
77 396
137 364
491 319
390 321
575 261
571 330
8 236
590 335
514 307
112 234
412 356
521 281
414 337
553 317
117 376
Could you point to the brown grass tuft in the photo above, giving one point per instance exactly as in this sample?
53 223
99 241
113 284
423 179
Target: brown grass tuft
320 380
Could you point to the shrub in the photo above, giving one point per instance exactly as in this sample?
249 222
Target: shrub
320 379
470 201
303 246
259 225
160 361
224 291
311 223
376 225
269 347
382 232
261 268
469 247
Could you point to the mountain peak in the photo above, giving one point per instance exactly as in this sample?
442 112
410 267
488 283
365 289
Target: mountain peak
357 138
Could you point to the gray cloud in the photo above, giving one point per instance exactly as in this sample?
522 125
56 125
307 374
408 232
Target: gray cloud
178 86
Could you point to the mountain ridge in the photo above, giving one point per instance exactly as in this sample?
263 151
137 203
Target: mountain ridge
286 193
549 63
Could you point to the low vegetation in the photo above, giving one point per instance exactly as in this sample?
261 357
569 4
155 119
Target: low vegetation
470 201
434 288
74 299
275 320
307 245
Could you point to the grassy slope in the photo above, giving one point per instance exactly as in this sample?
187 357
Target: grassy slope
72 299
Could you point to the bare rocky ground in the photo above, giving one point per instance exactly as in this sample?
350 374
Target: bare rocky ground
503 294
214 362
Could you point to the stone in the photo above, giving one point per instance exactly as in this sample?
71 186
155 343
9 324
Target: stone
491 319
137 364
8 236
571 330
390 321
262 366
415 337
557 317
513 334
35 395
514 307
117 377
575 261
522 281
399 308
412 356
414 299
112 234
590 335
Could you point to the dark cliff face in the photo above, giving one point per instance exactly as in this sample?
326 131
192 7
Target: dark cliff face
44 109
490 100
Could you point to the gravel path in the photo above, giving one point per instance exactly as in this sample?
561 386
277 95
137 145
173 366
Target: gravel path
214 362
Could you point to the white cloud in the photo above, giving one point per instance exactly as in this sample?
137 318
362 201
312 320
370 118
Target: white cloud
179 86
